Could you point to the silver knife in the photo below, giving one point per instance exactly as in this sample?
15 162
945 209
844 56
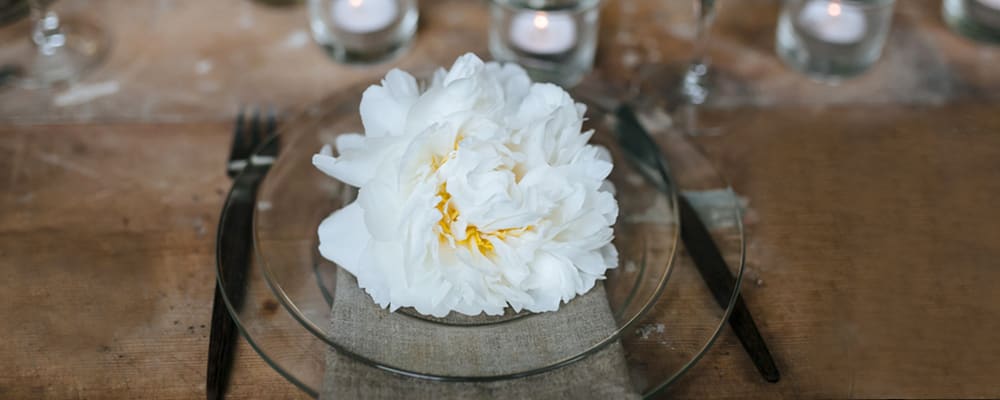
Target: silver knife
646 154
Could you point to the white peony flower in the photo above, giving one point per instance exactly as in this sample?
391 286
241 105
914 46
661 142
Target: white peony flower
478 192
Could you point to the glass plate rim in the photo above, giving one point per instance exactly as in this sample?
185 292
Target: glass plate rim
653 391
299 316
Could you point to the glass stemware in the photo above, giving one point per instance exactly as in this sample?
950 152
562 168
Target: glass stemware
60 49
695 83
679 88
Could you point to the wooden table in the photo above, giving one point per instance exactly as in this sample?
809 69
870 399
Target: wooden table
874 246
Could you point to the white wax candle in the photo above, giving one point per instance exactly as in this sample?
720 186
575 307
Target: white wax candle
363 16
833 21
543 32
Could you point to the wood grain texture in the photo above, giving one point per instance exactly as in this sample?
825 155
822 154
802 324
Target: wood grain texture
873 242
874 255
892 209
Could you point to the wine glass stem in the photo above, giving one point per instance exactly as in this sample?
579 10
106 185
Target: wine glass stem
706 11
694 85
46 32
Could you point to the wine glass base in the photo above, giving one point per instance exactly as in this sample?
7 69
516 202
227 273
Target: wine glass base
679 89
85 47
695 84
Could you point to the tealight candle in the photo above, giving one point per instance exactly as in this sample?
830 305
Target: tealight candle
554 40
543 33
363 31
831 40
364 16
833 21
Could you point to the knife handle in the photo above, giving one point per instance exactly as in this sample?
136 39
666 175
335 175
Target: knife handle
714 271
637 142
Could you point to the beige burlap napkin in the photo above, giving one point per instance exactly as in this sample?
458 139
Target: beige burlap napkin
362 327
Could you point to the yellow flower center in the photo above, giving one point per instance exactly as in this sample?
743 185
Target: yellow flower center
474 238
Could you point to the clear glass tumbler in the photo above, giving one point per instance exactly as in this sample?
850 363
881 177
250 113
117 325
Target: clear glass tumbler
363 31
830 40
975 19
52 47
554 40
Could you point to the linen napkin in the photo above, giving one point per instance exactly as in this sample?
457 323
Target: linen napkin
360 325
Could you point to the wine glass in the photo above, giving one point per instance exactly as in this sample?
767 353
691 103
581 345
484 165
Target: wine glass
679 88
695 83
59 50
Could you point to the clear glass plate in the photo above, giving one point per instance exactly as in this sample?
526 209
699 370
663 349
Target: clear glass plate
665 328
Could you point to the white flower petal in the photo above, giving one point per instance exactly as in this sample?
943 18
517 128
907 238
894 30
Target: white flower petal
342 235
464 67
478 194
382 107
347 142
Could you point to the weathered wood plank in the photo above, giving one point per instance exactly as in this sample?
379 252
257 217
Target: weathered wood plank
872 257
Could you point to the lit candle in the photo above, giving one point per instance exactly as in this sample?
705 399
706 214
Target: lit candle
543 33
364 16
833 21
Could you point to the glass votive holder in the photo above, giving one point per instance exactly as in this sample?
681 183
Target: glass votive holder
975 19
363 31
554 40
830 40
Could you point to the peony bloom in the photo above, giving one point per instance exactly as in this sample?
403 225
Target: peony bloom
475 193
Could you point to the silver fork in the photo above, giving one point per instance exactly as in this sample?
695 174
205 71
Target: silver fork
254 148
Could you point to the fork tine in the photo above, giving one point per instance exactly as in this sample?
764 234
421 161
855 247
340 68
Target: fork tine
239 135
255 130
239 150
272 122
270 134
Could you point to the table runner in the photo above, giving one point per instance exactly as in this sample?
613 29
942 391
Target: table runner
359 324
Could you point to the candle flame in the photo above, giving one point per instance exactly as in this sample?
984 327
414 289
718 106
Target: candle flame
833 9
541 20
355 3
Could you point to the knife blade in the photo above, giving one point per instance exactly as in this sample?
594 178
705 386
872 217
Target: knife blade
697 239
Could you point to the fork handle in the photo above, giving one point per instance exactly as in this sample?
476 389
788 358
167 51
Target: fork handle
233 251
220 354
